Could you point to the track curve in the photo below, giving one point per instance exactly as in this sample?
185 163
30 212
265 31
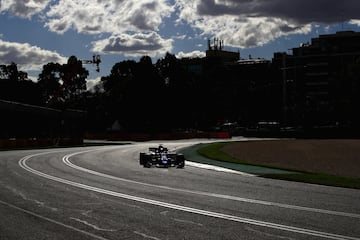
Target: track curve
200 201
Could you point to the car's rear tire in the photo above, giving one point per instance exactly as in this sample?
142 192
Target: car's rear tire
147 164
142 158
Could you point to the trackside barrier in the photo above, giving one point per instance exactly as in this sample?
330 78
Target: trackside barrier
158 136
17 143
223 135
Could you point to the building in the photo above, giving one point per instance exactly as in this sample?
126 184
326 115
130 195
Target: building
216 52
321 81
241 90
257 92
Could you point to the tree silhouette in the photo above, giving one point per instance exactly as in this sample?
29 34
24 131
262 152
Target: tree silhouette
63 84
11 72
116 87
15 86
181 92
73 76
135 88
49 81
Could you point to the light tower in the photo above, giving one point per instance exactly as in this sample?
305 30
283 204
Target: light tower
95 60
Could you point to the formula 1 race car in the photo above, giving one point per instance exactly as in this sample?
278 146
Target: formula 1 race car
160 157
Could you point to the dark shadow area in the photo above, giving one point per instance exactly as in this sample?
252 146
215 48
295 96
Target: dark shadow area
312 92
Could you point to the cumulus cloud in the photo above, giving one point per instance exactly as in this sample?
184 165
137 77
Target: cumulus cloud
241 23
356 22
132 24
139 44
133 21
23 8
91 84
193 54
111 16
247 23
27 57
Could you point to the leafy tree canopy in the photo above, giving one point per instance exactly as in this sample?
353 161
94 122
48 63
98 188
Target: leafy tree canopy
11 72
62 83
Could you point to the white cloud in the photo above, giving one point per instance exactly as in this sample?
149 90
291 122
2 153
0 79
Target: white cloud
133 24
33 78
241 23
356 22
135 45
23 8
91 83
193 54
248 23
27 57
136 22
110 16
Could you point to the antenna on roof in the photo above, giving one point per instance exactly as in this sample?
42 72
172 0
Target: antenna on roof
218 44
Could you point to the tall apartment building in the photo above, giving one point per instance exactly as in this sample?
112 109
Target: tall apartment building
321 81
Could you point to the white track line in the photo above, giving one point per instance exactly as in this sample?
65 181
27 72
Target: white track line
218 169
23 164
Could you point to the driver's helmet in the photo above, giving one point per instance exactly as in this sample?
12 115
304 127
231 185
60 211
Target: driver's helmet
161 148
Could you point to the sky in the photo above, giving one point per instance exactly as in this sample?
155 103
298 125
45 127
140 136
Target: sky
36 32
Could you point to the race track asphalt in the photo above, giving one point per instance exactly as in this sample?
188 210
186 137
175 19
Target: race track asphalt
103 193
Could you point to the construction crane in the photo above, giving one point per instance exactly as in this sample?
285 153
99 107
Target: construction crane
95 60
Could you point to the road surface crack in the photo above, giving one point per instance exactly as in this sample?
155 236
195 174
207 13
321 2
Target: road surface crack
92 225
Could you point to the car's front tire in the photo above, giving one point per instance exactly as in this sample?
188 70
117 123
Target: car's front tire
180 160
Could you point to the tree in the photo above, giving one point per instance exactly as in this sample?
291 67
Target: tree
73 76
11 72
116 87
180 92
168 68
49 82
63 84
121 73
15 86
134 91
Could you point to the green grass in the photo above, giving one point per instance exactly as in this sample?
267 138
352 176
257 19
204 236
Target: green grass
213 151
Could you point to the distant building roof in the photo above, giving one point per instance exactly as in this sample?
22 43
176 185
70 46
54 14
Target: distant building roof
253 61
217 51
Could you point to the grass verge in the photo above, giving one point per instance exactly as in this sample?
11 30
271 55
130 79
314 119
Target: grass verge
213 151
